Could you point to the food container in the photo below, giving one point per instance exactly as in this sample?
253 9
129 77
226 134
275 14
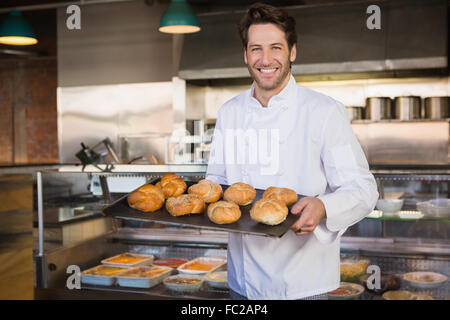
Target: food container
407 108
143 277
128 260
438 208
405 295
346 291
202 265
352 269
101 275
378 108
389 206
424 280
436 107
387 282
184 282
170 262
218 279
355 113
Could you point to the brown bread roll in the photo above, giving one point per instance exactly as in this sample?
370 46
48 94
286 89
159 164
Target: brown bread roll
269 211
172 185
224 212
286 195
147 198
240 193
185 204
209 190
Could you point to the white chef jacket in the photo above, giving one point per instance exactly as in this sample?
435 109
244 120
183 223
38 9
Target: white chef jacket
316 154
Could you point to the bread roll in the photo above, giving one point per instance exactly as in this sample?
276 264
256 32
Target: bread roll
223 212
269 211
172 185
240 193
185 204
288 196
147 198
209 190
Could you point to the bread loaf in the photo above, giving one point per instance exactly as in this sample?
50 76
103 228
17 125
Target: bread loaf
172 185
269 211
209 190
147 198
185 204
240 193
224 212
286 195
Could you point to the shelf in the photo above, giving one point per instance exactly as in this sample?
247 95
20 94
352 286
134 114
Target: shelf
378 215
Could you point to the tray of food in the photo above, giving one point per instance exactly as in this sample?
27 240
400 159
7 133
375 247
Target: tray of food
405 295
424 279
143 277
184 282
170 262
202 265
346 291
101 275
217 279
205 204
128 260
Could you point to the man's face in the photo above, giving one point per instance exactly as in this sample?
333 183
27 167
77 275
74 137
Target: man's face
267 56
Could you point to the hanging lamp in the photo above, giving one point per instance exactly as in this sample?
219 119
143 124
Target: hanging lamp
179 18
15 30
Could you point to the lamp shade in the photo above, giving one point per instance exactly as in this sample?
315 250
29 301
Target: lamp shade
15 30
179 18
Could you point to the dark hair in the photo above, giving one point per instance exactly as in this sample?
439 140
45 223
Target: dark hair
259 13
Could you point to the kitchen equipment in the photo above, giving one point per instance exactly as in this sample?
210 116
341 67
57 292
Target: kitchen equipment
355 112
389 206
378 108
407 108
436 107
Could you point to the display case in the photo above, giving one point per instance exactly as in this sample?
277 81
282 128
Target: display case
71 230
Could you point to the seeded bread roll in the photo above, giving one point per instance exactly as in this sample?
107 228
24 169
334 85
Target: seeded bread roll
224 212
269 211
172 185
286 195
185 204
147 198
240 193
209 190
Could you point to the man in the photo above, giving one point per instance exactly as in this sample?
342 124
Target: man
316 154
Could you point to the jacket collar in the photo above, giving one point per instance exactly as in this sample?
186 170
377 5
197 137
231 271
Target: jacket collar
282 99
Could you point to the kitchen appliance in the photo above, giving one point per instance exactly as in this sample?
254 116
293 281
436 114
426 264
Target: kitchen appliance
407 108
378 108
355 112
436 108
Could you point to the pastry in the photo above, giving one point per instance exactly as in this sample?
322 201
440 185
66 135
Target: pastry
147 198
240 193
185 204
269 211
172 185
288 196
209 190
224 212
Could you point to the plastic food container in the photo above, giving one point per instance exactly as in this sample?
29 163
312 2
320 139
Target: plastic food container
218 279
184 282
101 275
439 208
202 265
128 260
143 277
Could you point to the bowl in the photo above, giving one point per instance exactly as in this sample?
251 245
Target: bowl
218 279
389 206
340 294
424 279
405 295
184 282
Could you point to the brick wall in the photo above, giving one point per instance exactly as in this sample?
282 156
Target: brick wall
28 112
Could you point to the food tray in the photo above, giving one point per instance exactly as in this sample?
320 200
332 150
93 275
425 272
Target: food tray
146 261
124 280
217 279
424 279
221 262
348 286
170 262
99 279
245 224
185 287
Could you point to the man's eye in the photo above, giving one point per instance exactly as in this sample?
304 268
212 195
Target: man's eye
255 49
277 48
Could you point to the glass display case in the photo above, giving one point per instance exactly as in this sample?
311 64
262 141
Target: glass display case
71 230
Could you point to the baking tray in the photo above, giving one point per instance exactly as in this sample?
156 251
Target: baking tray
221 262
120 209
98 279
148 259
142 282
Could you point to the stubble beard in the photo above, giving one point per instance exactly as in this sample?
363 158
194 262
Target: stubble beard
284 72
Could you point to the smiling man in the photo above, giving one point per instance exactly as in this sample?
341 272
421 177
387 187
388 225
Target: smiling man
317 155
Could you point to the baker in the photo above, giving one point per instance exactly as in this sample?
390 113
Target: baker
316 154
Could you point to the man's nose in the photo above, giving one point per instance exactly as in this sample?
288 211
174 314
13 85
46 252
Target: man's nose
267 57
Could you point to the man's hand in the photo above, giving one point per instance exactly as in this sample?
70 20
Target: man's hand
312 212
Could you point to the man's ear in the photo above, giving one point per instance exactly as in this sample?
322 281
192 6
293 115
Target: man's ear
293 54
245 56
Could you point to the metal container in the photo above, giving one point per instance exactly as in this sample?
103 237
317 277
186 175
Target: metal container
378 108
436 107
407 107
355 112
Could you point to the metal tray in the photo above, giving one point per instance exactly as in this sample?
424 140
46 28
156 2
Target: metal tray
148 259
142 282
245 224
98 279
221 262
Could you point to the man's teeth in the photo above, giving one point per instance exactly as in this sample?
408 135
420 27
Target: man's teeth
267 70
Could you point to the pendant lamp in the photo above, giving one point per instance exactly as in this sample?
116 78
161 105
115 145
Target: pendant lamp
15 30
179 18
